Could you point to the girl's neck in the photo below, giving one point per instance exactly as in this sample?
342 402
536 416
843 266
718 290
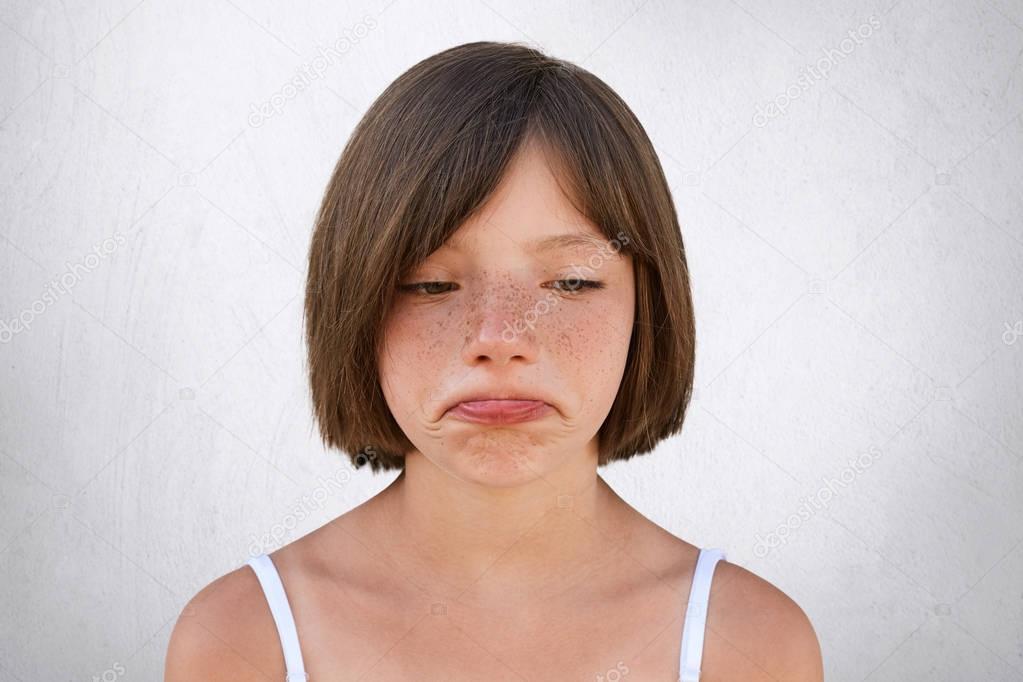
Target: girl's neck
465 537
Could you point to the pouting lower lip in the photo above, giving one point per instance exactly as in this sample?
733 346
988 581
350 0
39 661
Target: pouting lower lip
499 411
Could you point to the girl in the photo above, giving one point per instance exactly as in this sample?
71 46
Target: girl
497 304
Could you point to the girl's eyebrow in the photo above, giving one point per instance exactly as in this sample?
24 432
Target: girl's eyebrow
567 240
551 243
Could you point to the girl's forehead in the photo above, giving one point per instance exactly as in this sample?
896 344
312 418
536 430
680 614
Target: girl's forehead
531 224
530 188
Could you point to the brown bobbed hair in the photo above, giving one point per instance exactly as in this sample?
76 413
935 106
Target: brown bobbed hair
423 159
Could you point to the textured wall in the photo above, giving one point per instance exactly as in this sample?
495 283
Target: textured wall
848 179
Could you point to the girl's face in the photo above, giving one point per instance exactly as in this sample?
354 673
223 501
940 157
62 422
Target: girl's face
510 307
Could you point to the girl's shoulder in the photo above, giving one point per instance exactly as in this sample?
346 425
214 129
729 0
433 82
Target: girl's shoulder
225 632
755 631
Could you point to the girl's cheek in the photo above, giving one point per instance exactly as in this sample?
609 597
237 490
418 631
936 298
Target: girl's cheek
571 332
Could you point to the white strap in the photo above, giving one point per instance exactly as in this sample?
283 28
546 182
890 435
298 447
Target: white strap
696 615
270 580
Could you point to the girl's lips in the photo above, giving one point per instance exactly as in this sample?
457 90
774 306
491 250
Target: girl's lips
500 411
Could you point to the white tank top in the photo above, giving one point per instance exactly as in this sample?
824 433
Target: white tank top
692 627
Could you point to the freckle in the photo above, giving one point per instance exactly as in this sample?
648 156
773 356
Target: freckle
565 341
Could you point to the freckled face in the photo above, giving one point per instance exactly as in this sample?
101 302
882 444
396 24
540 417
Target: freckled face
497 308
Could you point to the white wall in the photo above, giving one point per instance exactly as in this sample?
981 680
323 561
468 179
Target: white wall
858 274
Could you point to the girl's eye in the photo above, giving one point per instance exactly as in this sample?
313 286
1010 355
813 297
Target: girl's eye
427 288
576 285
